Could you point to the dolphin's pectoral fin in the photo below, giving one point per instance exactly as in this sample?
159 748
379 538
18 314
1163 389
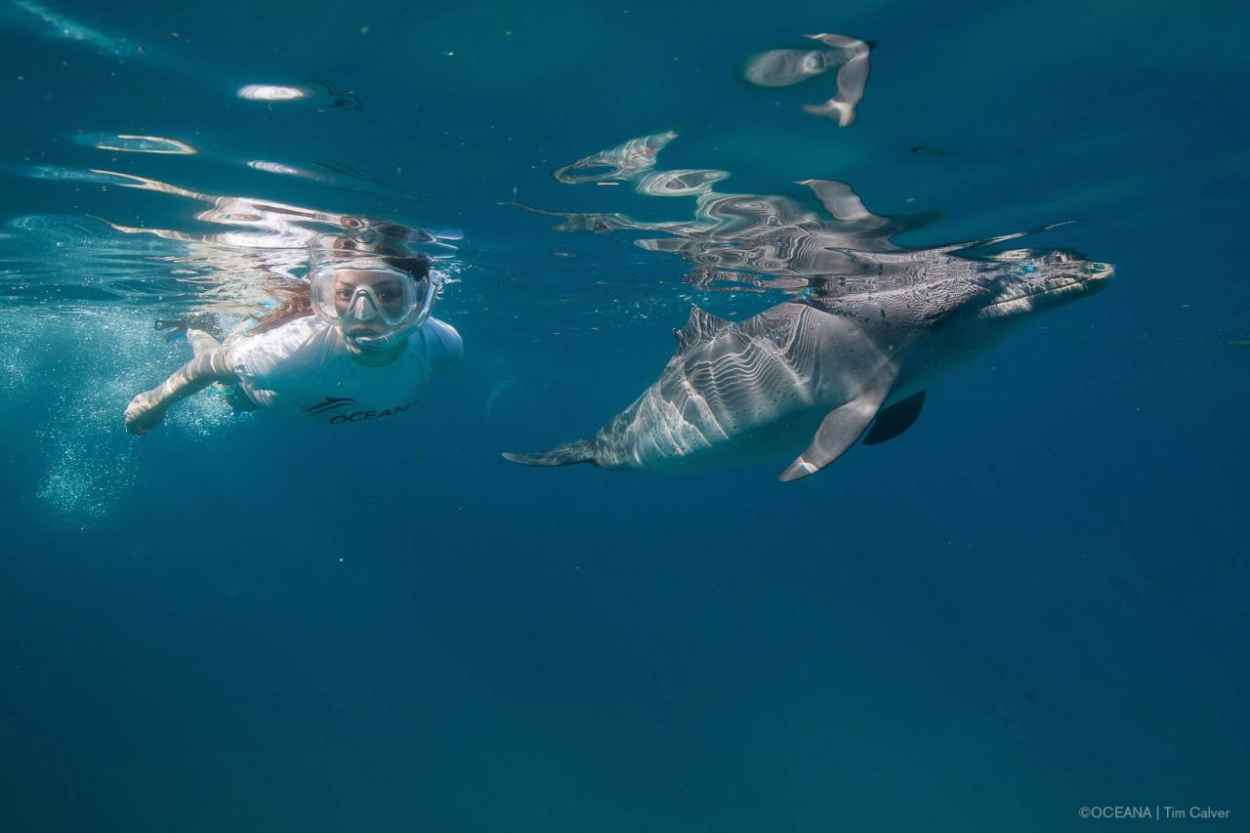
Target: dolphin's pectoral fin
895 419
701 326
840 429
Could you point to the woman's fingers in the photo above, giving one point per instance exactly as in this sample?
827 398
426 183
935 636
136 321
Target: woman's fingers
142 414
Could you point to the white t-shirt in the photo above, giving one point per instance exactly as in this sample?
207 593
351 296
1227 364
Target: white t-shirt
304 367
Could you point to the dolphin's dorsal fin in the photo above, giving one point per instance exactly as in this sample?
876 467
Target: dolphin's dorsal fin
701 326
840 429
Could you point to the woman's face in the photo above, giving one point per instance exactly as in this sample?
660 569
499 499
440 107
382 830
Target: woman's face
360 318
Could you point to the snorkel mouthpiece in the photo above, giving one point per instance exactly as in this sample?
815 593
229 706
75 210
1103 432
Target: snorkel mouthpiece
375 344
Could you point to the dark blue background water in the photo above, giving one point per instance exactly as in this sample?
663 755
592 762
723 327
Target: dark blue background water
1033 601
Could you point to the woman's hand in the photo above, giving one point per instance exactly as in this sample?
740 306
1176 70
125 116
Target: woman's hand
146 410
144 413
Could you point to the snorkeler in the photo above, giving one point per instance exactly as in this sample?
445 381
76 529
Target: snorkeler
359 347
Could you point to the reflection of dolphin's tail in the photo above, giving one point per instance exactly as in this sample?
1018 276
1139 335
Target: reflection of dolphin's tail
581 451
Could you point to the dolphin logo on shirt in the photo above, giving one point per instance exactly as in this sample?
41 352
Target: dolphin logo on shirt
329 404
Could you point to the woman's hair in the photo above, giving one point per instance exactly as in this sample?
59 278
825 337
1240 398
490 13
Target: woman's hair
295 299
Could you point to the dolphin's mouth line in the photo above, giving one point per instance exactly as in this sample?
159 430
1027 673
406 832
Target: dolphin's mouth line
1073 284
1051 290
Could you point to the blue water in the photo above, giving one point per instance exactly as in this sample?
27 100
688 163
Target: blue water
1035 600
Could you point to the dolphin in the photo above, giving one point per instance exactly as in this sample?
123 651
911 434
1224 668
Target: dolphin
827 369
866 325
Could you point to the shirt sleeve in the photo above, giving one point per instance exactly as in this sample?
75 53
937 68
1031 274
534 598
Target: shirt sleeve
255 358
448 339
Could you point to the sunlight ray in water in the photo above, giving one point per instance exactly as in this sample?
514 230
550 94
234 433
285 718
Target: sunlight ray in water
60 26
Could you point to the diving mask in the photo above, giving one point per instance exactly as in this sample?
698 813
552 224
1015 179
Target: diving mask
375 305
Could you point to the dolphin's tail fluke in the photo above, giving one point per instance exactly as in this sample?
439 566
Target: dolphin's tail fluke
580 451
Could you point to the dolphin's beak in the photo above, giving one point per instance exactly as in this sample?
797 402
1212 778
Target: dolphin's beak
1050 281
1104 272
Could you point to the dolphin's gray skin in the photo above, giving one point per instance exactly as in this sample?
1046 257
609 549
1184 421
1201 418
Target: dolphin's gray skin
832 363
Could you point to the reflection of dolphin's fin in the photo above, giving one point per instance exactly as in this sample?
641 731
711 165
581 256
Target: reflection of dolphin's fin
579 451
851 78
701 326
895 419
840 429
839 199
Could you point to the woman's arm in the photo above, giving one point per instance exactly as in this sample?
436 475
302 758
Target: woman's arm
148 408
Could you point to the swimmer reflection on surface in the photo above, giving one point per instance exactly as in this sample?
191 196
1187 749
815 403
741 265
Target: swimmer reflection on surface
358 346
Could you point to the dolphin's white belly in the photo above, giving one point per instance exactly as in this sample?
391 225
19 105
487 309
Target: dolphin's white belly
742 391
